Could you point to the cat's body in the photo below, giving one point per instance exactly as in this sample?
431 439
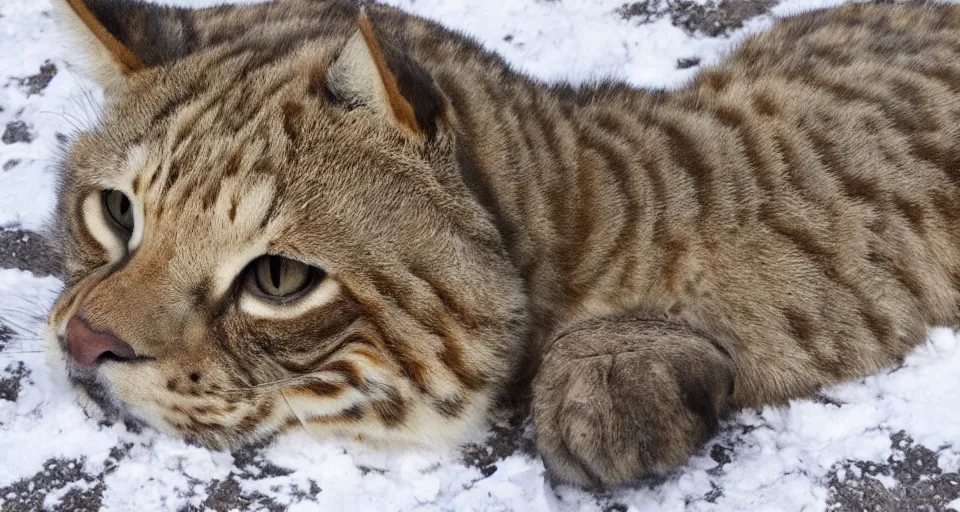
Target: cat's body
771 168
658 259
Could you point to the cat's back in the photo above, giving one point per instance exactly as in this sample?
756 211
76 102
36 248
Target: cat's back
852 111
821 173
885 32
836 52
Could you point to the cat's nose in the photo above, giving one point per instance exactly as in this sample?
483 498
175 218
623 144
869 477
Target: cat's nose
89 347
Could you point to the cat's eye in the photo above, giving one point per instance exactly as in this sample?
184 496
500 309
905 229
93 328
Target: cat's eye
281 279
119 210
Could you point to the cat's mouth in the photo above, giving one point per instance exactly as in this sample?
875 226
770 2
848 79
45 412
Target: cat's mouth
92 381
99 404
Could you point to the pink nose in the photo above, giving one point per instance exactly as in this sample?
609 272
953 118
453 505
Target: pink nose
89 347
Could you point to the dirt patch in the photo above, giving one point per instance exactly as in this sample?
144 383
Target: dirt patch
688 62
721 454
715 19
26 250
226 495
252 464
6 334
10 383
711 18
17 131
508 435
642 12
35 84
72 487
918 483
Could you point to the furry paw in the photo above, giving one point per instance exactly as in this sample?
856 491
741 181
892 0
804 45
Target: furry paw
625 399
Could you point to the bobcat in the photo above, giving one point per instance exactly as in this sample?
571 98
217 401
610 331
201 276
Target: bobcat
352 220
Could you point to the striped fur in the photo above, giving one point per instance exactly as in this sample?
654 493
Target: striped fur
657 259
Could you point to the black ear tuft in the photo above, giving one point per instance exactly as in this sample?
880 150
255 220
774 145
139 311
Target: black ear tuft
415 84
374 70
118 38
156 34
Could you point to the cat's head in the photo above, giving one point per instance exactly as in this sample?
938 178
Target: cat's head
268 227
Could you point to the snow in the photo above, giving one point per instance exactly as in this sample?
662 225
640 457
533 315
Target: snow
779 457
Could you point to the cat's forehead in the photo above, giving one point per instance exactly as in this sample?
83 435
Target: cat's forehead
243 143
268 182
186 138
230 93
207 194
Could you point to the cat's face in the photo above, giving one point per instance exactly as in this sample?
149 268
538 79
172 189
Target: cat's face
256 239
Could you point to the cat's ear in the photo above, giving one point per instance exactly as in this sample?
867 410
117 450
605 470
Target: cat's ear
117 38
380 76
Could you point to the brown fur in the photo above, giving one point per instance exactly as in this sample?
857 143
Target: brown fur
401 109
659 259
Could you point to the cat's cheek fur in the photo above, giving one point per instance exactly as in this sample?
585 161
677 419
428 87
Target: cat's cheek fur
422 426
213 418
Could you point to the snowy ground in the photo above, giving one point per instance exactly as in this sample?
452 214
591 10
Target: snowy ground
889 442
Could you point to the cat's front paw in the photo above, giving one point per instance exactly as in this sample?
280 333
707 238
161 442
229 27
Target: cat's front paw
613 405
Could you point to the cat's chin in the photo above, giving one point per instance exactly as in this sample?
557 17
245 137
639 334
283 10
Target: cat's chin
57 360
94 398
90 407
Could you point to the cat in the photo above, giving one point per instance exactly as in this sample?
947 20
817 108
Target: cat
308 214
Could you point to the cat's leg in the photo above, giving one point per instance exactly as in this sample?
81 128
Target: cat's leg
617 399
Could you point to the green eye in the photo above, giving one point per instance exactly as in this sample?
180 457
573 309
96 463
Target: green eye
281 279
119 209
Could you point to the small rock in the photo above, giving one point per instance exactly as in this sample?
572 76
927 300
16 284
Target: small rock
10 164
688 62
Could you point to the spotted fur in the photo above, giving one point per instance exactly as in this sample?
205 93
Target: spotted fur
652 260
